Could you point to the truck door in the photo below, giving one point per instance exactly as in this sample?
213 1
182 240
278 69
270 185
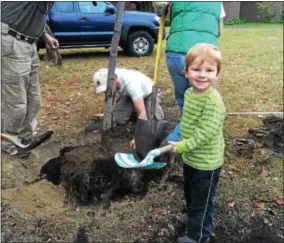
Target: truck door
63 21
96 24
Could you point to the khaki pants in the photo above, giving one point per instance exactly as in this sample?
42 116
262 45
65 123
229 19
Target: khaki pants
125 110
20 88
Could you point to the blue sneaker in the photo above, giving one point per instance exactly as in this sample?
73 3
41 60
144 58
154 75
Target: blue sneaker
186 239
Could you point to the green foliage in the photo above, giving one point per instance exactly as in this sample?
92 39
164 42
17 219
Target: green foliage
235 21
266 7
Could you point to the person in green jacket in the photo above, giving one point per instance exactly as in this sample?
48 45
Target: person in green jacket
202 141
190 23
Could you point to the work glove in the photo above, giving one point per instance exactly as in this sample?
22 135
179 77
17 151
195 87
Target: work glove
143 137
161 8
132 143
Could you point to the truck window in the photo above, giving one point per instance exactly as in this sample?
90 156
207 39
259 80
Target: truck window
91 8
64 7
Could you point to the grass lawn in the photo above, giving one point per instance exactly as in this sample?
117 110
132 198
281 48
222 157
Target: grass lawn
251 80
256 25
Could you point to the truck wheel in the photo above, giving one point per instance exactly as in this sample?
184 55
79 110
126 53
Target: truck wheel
140 44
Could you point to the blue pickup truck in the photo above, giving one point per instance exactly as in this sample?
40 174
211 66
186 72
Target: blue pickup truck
91 24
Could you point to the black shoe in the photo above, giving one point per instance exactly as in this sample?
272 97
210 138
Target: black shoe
38 139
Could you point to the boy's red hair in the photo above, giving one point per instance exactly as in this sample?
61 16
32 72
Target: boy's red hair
206 52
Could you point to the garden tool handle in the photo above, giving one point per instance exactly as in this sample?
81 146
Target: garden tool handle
159 47
166 148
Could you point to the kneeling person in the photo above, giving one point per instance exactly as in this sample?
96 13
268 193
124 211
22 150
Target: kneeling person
134 91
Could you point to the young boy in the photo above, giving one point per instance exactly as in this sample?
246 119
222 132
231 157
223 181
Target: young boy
202 144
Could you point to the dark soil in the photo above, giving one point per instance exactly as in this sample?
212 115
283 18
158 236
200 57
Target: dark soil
76 201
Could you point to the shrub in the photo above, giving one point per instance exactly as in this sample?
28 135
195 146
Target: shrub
235 21
266 7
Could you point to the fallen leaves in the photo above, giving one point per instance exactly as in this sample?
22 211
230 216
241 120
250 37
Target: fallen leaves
231 204
264 174
260 206
279 201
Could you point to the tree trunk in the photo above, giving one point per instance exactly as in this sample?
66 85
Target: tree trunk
108 108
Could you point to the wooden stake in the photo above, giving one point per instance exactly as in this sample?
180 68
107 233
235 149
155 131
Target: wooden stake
111 68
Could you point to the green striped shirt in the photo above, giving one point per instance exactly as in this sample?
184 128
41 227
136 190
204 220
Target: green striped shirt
202 144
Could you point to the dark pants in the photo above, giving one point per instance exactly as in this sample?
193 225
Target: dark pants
125 110
199 191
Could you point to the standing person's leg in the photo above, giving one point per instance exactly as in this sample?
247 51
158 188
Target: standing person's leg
202 195
188 173
29 133
175 63
16 68
124 110
29 129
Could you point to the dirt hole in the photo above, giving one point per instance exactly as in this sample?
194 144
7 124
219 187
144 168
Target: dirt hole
89 176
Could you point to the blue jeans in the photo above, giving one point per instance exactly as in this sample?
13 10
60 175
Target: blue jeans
199 192
175 63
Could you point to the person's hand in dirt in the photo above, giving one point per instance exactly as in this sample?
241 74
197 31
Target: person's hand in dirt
174 149
50 42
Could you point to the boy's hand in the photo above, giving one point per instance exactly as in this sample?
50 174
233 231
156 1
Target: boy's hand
174 150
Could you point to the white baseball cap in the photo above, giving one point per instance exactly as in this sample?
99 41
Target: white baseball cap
100 80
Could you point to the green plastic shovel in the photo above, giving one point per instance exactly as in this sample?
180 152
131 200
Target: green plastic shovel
128 161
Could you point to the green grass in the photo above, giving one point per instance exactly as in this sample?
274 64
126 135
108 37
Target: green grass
251 79
252 72
248 25
256 25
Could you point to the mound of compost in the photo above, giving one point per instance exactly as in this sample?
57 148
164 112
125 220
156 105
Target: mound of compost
270 135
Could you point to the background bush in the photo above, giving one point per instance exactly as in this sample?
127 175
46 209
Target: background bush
235 21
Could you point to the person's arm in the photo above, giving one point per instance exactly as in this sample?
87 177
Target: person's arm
221 20
209 125
221 26
161 8
50 41
140 108
137 97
